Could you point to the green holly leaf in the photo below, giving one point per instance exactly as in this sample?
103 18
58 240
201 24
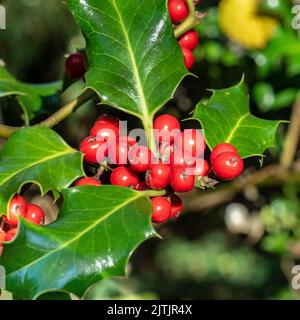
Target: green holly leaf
135 63
226 118
29 96
38 155
97 231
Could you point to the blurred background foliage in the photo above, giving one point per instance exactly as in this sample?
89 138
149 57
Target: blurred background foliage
244 249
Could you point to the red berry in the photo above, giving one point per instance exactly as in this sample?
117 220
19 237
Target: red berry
181 181
18 206
157 177
94 151
35 214
228 165
161 209
141 186
180 158
124 177
178 10
11 234
118 151
189 40
2 236
189 58
167 127
140 158
177 206
220 148
202 168
75 65
192 141
88 182
107 118
105 132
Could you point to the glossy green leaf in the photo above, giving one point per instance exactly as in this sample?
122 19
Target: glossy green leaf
135 63
226 118
97 231
29 96
38 155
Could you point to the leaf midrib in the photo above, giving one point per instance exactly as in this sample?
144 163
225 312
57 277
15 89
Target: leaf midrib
235 128
81 234
138 85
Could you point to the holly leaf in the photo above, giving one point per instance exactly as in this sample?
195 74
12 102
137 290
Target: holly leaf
29 96
135 63
98 229
226 118
39 155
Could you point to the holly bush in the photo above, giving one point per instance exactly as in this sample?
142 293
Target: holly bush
136 55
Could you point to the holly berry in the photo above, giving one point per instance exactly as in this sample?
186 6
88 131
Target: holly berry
105 132
118 151
167 127
157 177
88 182
2 236
11 234
189 58
178 10
17 207
107 118
35 214
140 158
94 150
181 181
75 65
124 177
220 148
189 39
180 158
177 206
161 209
202 168
191 140
228 165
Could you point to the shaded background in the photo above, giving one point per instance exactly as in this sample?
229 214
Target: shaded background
245 246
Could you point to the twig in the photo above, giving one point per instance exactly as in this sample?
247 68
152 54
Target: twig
54 119
292 138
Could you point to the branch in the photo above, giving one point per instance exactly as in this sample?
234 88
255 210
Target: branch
292 138
54 119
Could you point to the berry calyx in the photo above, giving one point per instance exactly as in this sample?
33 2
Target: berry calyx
140 158
88 182
17 207
94 151
161 209
107 118
104 131
124 177
178 10
189 39
166 128
202 168
157 177
220 148
75 65
192 141
177 206
11 234
189 58
181 181
228 165
35 214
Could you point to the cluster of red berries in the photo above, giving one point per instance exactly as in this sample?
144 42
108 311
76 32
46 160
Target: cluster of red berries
19 207
175 168
179 11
